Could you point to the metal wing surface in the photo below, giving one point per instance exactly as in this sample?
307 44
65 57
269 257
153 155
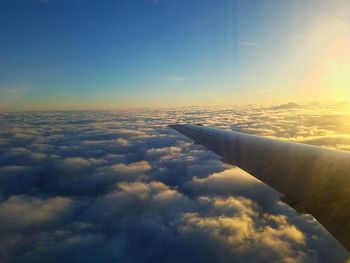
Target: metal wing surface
313 180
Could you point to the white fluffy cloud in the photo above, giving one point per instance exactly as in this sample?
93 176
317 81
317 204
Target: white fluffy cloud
120 186
24 212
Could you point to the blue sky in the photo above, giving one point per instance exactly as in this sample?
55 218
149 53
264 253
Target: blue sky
91 54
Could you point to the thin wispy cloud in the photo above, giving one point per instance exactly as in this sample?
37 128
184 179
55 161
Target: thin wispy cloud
176 78
13 92
248 43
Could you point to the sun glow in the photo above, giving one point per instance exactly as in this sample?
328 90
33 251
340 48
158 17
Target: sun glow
338 79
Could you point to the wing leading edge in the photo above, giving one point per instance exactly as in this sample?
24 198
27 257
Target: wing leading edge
313 180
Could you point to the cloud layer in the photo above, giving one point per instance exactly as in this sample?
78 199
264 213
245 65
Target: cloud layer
96 186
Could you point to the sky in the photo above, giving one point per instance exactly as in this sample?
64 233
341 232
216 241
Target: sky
120 186
89 170
86 54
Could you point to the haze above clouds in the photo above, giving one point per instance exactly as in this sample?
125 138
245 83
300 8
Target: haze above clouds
121 186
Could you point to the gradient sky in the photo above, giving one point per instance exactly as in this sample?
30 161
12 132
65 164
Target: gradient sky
60 54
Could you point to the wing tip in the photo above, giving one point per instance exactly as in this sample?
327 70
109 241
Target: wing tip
174 126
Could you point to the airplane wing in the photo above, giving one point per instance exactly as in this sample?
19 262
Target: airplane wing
313 180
